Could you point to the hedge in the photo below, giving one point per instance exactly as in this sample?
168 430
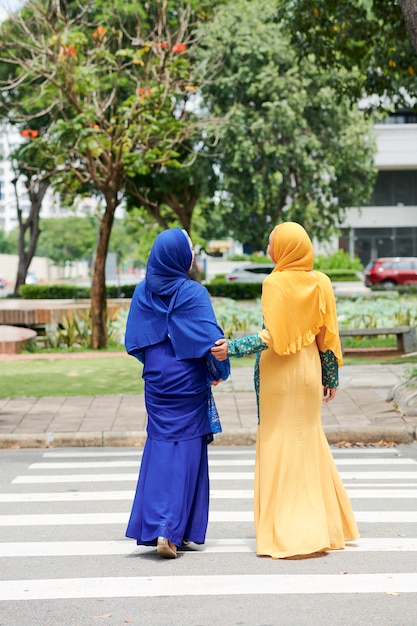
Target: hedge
217 288
71 292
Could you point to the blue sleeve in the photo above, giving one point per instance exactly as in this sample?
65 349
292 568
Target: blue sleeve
217 370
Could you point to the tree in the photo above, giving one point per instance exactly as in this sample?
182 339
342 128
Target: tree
7 245
409 11
107 89
293 149
35 169
367 38
29 230
67 239
178 188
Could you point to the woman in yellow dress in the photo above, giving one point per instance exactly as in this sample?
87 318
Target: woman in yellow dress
300 504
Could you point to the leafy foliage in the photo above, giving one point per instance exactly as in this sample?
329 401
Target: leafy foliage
292 149
339 260
67 239
367 38
100 92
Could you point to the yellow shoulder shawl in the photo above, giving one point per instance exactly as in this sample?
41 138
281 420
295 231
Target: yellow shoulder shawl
297 301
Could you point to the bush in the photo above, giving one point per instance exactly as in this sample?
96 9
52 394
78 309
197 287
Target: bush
407 289
340 260
54 292
235 291
71 292
251 258
341 275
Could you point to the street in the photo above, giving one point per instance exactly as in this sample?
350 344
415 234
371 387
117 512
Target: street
65 560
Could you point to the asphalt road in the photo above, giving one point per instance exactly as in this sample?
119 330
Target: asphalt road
65 561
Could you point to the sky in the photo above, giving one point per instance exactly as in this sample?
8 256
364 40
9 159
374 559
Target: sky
8 6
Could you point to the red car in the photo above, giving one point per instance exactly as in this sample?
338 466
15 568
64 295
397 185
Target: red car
391 271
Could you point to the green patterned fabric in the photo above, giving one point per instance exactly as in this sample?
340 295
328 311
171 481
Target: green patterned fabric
251 344
244 346
329 369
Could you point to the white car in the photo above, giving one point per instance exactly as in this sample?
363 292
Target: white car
31 278
253 273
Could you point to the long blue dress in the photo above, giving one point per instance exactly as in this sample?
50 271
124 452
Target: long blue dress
172 494
171 328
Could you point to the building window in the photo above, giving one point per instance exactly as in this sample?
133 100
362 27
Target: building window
393 188
373 243
401 117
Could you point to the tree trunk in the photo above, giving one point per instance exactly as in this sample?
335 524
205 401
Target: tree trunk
99 333
409 10
26 251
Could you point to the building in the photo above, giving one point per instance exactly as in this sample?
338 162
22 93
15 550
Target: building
9 140
387 226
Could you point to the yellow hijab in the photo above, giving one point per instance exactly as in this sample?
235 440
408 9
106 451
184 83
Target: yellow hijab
297 301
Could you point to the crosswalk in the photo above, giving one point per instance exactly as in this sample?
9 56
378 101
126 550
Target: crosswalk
71 505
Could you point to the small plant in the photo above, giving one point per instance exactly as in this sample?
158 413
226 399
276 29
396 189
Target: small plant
339 260
238 319
75 332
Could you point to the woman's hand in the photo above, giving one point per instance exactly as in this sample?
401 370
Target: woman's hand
328 394
219 350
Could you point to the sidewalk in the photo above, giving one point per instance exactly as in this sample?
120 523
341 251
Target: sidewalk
362 412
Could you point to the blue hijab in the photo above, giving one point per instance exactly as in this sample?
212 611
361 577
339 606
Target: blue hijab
168 303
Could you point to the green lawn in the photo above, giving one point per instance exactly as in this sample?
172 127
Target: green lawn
71 377
102 375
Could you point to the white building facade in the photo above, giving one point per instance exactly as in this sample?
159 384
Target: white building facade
388 225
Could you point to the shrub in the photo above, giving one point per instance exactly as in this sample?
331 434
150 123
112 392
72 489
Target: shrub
235 291
339 260
54 292
341 275
71 292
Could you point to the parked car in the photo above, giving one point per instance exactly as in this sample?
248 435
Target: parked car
253 273
31 278
391 271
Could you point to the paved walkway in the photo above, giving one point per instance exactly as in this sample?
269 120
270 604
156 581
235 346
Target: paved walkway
362 412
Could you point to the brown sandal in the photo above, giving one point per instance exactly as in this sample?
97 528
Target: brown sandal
166 548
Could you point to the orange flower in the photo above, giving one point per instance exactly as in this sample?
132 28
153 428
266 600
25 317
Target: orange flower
70 49
162 45
99 32
145 92
29 133
178 48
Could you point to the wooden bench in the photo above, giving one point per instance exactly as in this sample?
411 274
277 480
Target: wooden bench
13 338
406 336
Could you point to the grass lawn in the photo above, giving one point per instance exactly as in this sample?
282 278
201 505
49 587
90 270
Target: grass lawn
104 375
71 377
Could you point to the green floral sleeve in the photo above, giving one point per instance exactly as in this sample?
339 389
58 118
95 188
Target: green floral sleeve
244 346
329 369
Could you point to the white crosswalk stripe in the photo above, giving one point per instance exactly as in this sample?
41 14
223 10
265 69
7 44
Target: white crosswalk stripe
48 496
148 586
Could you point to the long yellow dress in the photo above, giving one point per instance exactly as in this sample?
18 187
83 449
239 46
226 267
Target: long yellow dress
301 505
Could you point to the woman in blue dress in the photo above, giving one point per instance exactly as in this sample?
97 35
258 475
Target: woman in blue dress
170 328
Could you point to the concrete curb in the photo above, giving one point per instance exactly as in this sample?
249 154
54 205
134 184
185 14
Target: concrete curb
371 434
242 437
